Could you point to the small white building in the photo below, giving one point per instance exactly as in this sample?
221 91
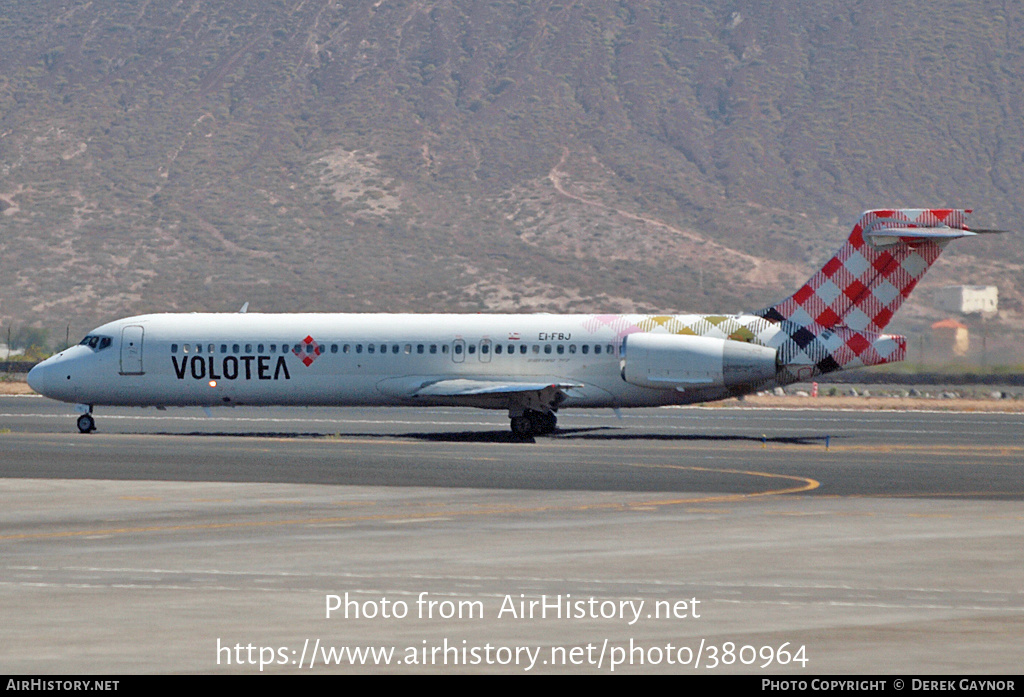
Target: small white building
7 352
968 300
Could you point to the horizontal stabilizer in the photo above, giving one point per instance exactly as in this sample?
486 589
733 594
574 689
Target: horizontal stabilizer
936 233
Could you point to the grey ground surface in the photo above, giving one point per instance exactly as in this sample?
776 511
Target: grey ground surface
863 542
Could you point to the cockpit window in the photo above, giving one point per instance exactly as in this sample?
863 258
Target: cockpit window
96 343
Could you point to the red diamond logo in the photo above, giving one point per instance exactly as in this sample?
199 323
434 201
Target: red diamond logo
307 351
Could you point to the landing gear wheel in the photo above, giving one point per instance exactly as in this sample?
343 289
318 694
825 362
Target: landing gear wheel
86 423
544 422
522 426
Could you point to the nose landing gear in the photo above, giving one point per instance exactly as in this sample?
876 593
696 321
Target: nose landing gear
86 423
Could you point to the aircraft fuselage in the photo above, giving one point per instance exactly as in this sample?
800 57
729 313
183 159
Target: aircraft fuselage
351 359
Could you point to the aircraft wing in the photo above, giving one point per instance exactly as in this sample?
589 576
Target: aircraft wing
464 387
491 393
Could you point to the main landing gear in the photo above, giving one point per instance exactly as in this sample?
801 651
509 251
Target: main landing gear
86 423
534 423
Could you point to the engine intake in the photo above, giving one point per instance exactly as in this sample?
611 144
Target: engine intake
673 361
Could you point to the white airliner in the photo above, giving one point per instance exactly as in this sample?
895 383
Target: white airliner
531 365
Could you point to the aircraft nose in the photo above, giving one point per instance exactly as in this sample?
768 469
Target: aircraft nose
52 377
38 377
60 376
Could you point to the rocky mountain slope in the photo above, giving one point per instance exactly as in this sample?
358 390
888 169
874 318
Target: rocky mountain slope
544 155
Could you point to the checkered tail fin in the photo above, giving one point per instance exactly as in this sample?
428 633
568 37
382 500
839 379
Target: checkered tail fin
864 284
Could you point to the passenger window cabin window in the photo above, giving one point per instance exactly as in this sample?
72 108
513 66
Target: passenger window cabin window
585 348
497 349
597 349
174 348
395 349
420 348
572 348
609 349
472 349
433 348
345 348
199 348
211 349
234 348
383 348
259 348
334 348
370 348
359 348
560 348
485 348
184 348
522 348
458 348
547 348
444 348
